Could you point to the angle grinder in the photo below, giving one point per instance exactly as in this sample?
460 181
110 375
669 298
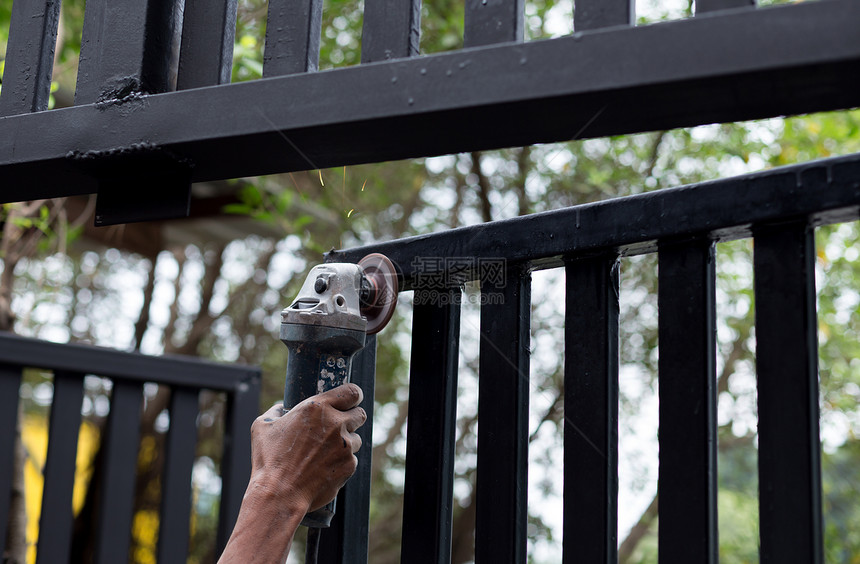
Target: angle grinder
337 307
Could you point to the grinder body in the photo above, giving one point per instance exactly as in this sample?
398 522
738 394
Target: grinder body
320 359
326 325
323 329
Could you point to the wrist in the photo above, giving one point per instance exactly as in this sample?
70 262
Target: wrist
268 519
275 497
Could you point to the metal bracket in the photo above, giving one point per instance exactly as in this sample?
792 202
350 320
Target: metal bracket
142 182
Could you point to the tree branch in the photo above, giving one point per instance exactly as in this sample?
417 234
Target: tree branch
523 160
638 532
655 153
378 453
483 188
143 318
170 328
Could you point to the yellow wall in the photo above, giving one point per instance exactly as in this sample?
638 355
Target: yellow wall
34 435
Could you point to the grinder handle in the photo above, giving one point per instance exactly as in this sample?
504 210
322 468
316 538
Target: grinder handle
300 386
320 359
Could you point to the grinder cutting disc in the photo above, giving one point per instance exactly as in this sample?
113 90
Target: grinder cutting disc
380 295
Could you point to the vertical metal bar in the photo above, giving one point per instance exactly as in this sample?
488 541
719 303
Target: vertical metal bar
345 542
208 32
687 486
173 526
705 6
391 29
356 493
55 524
596 14
503 398
127 47
787 363
493 21
243 406
292 37
122 442
29 56
431 426
591 411
331 548
10 383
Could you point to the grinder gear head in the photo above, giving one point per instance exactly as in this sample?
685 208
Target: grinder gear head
329 298
359 296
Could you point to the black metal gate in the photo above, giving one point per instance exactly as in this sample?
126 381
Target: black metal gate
130 130
778 209
135 125
128 372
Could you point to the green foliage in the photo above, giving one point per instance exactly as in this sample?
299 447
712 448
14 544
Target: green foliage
842 504
442 26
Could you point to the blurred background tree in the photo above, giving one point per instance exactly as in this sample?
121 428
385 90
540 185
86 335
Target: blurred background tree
213 286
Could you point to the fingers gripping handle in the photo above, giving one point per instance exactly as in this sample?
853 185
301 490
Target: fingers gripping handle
320 359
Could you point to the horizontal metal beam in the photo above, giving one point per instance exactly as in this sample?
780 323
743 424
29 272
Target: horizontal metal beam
86 359
825 191
729 66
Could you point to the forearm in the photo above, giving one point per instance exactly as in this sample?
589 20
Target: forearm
267 522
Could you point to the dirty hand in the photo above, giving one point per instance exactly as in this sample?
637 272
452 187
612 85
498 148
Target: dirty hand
307 454
299 461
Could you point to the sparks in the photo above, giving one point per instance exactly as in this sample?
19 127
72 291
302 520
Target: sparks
363 185
321 180
349 213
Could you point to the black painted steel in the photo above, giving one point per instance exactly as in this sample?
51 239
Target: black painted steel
141 186
128 372
29 58
180 371
330 546
591 411
243 406
748 64
431 427
346 540
55 523
130 48
175 513
116 503
503 399
10 382
687 486
824 191
126 50
493 21
706 6
391 30
787 367
208 31
292 37
356 495
596 14
608 78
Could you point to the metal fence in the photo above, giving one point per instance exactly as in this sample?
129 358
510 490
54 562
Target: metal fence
141 131
778 209
136 125
128 372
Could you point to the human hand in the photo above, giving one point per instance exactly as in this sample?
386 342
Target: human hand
299 461
306 455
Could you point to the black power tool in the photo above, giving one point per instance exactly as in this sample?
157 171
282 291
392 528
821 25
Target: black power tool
337 307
